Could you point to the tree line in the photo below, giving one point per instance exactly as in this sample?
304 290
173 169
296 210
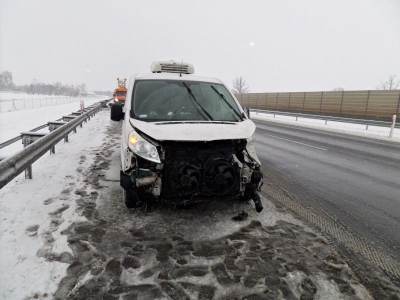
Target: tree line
57 88
240 85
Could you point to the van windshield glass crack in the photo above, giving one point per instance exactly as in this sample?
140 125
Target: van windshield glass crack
177 100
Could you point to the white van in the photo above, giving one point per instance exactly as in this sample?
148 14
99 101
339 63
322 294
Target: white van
185 139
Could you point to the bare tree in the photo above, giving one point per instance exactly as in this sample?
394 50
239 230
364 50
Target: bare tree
240 86
390 84
6 81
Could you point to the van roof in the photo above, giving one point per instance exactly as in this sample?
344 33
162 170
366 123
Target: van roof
175 76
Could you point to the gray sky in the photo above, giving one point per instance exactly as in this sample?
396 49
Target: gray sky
280 45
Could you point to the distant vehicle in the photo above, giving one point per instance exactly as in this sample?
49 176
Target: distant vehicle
119 95
185 138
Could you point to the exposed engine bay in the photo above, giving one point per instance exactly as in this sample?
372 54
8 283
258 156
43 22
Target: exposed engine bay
193 171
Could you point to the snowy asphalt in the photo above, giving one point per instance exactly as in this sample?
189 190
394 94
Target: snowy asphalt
77 240
354 180
193 253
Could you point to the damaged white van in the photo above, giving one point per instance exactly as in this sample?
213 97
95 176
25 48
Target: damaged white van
185 139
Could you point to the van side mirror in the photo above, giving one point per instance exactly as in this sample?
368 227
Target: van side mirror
116 112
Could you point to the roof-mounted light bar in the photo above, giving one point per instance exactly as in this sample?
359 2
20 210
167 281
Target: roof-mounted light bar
171 67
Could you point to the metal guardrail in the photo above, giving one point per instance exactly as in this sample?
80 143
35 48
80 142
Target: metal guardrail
328 118
17 138
12 166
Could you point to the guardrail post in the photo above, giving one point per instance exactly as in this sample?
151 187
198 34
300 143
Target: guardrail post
68 118
366 104
341 103
53 126
398 106
28 172
320 103
393 125
256 101
27 139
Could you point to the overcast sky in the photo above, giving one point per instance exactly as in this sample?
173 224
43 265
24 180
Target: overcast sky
275 45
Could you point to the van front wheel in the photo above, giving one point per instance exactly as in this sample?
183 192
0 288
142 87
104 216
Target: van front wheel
131 198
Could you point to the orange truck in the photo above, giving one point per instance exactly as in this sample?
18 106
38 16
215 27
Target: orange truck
120 92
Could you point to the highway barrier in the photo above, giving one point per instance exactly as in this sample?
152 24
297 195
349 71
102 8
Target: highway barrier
366 104
37 144
365 122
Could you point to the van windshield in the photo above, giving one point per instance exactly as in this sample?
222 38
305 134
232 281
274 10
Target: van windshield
176 100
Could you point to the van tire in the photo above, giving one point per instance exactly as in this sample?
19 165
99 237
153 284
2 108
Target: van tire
131 198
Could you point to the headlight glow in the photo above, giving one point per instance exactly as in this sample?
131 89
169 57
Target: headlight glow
133 139
143 148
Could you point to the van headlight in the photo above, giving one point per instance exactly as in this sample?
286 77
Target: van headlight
143 148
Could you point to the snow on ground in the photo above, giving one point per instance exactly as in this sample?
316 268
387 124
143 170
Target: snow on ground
30 214
15 122
347 128
192 253
12 101
14 95
12 123
83 176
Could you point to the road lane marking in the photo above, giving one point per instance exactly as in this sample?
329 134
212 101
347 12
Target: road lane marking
296 142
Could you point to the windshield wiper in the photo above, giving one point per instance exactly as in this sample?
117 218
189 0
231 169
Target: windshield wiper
222 96
202 110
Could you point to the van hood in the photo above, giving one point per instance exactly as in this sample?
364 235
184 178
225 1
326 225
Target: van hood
195 130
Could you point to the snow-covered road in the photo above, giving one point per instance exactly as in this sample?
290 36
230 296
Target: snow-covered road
67 235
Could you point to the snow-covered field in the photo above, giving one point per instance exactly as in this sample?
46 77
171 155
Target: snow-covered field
14 122
376 132
30 214
12 101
